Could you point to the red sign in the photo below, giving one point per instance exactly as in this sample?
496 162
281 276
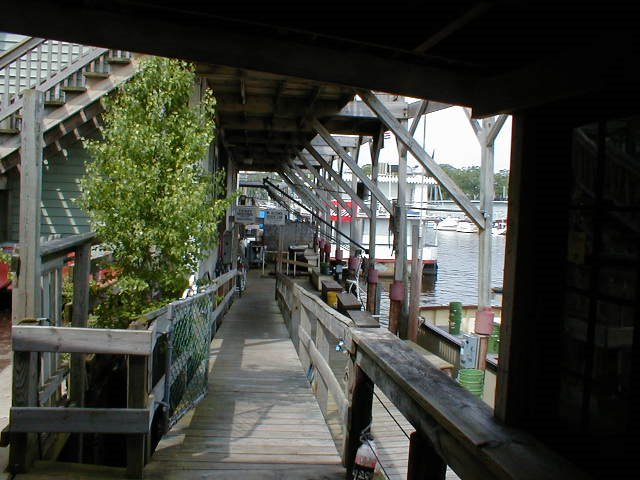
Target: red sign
345 215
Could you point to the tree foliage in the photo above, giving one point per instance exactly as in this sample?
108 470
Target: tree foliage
146 191
468 179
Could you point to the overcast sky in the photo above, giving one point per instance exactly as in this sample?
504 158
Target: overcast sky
448 133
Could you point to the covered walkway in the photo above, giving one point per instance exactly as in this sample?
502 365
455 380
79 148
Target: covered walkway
260 418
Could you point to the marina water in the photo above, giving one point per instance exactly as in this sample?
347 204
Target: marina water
457 278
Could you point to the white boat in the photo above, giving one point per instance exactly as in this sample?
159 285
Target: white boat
499 227
467 227
385 258
448 224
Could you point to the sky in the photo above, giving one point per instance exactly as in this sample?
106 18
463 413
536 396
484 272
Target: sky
449 136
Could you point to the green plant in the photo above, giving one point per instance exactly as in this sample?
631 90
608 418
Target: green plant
146 191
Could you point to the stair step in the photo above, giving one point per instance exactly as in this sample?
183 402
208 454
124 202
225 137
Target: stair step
9 131
95 74
74 89
119 60
55 102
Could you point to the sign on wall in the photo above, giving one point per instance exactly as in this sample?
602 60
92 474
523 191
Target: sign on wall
246 214
275 217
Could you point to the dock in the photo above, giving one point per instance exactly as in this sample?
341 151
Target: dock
260 418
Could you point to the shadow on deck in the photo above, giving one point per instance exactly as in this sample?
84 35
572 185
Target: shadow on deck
260 418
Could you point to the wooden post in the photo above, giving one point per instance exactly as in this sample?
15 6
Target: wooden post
372 289
137 391
79 317
401 270
360 395
424 462
322 344
486 206
26 297
416 282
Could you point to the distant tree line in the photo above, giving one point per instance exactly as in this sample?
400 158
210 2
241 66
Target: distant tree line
468 179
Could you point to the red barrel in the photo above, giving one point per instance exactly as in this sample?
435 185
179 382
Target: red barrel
484 321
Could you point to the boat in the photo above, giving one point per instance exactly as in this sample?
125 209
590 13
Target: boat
499 227
448 224
467 227
385 258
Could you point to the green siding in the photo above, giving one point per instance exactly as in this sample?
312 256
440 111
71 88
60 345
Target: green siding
60 188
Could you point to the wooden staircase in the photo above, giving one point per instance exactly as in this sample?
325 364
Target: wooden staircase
73 77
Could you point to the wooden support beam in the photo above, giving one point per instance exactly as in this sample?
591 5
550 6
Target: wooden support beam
26 297
79 318
495 129
346 158
469 15
331 189
475 124
338 179
423 157
376 146
300 189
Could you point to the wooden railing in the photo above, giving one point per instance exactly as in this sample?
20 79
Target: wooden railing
452 426
149 375
51 66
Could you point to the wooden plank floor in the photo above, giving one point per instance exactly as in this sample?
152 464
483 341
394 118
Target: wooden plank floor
260 418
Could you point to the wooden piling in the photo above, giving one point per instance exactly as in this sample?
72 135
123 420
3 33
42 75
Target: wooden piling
416 283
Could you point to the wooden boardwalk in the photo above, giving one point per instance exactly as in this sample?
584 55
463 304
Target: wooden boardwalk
260 419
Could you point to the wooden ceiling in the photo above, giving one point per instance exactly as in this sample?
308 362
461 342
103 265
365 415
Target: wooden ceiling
495 56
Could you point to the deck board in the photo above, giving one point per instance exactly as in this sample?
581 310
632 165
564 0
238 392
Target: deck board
260 418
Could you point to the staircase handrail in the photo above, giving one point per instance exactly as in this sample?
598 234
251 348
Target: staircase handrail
58 77
18 50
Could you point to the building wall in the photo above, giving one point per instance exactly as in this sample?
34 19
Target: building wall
61 176
9 40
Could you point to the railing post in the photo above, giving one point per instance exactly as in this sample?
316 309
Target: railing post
424 462
322 344
294 322
360 395
26 297
25 394
305 324
79 317
137 392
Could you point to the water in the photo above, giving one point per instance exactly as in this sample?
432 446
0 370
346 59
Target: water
457 279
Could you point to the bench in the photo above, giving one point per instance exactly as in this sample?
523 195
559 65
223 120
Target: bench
432 358
363 319
348 301
330 286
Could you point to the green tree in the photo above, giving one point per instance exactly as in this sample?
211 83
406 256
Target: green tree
501 183
146 191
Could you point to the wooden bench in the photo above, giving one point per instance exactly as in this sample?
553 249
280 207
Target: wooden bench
330 286
363 319
348 301
432 358
316 278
